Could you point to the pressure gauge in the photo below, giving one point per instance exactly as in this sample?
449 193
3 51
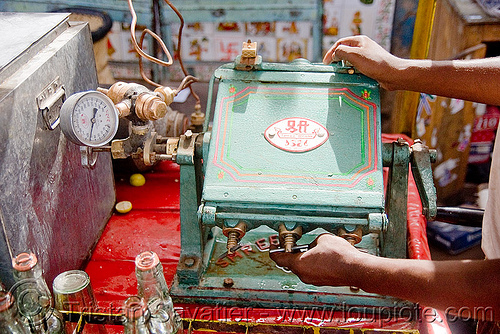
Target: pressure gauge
89 119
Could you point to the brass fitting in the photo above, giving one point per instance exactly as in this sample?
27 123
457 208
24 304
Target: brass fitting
124 108
353 237
149 106
167 94
289 238
249 53
234 235
197 118
121 90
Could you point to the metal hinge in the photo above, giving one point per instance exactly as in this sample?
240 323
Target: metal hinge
49 103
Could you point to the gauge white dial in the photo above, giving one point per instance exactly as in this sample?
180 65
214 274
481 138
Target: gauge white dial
89 118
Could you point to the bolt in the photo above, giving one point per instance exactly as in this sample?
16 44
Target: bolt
354 289
234 235
228 283
158 109
350 71
188 134
152 157
289 242
232 241
189 262
353 237
288 238
401 142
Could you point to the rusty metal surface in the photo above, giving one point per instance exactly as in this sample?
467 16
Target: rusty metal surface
256 281
49 204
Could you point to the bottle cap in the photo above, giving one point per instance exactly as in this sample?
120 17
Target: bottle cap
146 260
24 261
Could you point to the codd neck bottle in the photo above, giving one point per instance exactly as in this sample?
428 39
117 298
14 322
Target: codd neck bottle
33 297
152 286
136 316
10 322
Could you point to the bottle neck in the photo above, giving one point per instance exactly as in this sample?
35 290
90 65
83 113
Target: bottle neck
34 273
136 316
26 267
151 283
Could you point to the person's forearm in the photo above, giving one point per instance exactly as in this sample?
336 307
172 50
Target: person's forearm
444 285
472 80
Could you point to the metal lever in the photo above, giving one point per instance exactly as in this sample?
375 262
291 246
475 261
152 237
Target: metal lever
295 249
421 159
460 216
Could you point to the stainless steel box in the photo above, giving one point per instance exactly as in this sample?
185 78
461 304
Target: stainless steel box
49 203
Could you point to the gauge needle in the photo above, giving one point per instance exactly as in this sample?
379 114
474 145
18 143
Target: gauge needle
92 120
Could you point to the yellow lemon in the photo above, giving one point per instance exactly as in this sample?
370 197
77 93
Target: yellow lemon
137 180
123 206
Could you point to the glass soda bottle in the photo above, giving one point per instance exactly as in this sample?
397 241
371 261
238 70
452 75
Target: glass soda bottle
33 297
136 316
151 286
10 322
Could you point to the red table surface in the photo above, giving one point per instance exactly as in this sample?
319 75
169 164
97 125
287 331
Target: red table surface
154 224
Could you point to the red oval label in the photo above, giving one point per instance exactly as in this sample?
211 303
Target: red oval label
296 134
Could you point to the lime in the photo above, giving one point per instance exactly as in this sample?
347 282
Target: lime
123 206
137 180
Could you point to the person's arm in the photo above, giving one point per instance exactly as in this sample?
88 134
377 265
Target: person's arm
447 285
475 80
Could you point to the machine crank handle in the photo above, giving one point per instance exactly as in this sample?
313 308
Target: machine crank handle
233 249
460 216
295 249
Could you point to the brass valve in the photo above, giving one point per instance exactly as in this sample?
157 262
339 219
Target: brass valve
197 118
124 108
288 238
234 235
353 237
167 94
120 90
148 105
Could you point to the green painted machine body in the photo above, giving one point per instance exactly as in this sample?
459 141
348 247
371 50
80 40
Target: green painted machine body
295 144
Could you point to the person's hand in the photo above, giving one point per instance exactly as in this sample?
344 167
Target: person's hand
368 57
331 261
